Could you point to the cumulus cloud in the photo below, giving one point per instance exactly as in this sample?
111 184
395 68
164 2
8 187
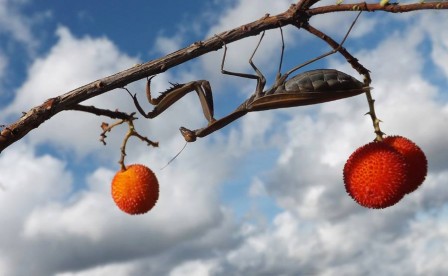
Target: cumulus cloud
327 137
64 231
3 63
27 181
15 23
308 182
19 41
294 246
239 52
112 269
71 63
90 219
82 230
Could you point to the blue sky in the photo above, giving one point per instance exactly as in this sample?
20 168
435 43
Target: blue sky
263 196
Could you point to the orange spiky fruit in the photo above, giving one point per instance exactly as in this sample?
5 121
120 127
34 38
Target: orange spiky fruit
135 190
415 157
375 175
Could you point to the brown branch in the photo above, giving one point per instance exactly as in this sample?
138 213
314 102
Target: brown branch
103 112
393 8
296 14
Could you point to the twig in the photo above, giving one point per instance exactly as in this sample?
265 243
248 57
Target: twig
103 112
107 128
132 132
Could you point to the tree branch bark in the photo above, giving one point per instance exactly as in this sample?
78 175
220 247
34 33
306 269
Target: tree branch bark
297 14
393 8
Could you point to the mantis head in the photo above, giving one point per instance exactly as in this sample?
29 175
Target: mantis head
189 136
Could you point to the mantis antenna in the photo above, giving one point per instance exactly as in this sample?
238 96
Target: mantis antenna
175 156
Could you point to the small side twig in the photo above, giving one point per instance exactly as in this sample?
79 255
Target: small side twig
102 112
132 132
107 128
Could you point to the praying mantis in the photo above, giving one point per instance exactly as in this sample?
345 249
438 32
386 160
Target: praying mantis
311 87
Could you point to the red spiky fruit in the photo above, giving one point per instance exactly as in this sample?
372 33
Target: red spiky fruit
135 190
375 175
415 157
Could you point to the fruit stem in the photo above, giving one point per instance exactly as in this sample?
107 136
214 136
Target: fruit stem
132 132
375 120
123 149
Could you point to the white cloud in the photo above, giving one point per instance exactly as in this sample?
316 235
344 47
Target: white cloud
166 45
3 64
294 246
14 27
112 269
197 267
243 12
25 176
438 38
320 230
12 21
317 146
337 24
257 188
427 249
71 63
239 52
94 232
27 181
308 179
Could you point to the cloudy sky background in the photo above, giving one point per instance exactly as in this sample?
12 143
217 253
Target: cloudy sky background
264 196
